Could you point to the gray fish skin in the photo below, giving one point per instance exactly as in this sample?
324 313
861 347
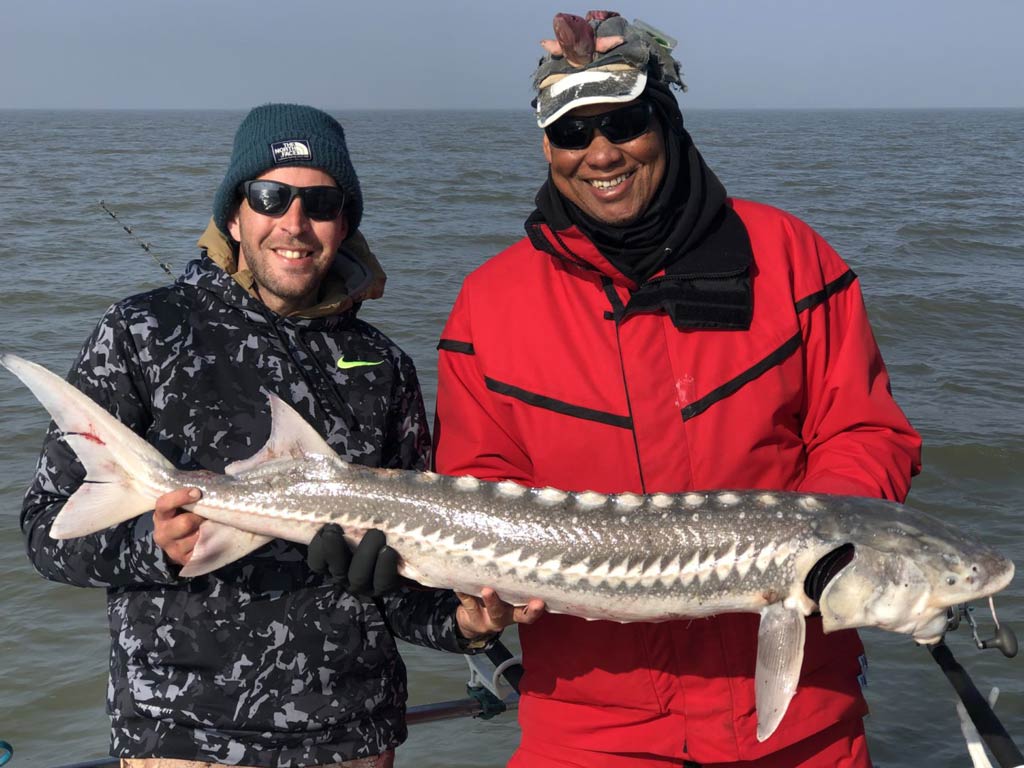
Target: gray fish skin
618 557
622 557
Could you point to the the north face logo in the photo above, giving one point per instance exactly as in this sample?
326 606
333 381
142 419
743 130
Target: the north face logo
287 151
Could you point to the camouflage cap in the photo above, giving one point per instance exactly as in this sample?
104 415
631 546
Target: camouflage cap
600 59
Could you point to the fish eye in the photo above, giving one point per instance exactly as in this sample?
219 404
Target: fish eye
951 580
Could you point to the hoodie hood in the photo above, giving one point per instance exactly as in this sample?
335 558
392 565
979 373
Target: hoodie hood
355 276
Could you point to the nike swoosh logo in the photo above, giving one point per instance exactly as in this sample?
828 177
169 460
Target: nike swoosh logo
346 364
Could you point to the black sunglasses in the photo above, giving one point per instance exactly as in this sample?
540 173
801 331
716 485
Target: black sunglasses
274 198
618 127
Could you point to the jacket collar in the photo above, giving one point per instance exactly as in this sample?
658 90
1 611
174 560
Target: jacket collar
569 245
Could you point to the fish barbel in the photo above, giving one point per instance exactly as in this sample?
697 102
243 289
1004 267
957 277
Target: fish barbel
622 557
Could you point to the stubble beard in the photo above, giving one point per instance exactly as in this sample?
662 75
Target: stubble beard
272 290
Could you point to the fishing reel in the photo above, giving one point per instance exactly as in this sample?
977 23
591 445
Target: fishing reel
1004 639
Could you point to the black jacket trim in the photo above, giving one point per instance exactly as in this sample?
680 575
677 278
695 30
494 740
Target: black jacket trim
734 385
540 242
551 404
820 297
450 345
536 235
613 299
775 358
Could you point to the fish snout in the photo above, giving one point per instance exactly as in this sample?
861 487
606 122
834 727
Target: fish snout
962 580
972 578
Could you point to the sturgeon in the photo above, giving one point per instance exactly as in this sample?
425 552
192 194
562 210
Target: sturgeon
622 557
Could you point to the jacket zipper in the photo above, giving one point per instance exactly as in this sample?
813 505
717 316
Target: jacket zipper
616 316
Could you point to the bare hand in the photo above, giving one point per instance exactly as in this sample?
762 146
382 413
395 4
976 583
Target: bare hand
489 614
176 530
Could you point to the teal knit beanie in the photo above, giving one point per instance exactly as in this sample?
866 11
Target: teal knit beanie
276 135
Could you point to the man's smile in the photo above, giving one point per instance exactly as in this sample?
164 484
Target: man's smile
610 183
290 254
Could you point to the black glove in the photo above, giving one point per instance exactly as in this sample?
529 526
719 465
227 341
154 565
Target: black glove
371 570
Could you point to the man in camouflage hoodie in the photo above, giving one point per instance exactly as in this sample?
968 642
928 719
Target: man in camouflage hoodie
265 661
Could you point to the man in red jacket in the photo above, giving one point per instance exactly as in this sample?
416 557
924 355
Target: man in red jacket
651 334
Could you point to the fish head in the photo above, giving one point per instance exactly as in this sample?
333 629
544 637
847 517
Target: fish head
906 574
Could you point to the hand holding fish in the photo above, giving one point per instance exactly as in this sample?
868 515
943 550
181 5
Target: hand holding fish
370 569
489 614
175 529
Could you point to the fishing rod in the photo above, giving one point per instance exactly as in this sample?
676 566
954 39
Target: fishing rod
147 247
989 727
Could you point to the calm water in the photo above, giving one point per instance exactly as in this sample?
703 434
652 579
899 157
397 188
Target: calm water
928 207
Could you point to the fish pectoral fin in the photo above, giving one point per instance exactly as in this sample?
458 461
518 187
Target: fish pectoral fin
218 545
291 437
780 654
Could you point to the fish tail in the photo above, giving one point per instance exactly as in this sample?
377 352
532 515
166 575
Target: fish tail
124 473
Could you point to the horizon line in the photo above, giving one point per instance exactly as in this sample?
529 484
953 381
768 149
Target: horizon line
516 109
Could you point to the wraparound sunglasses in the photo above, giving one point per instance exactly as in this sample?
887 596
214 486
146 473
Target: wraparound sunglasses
273 198
618 127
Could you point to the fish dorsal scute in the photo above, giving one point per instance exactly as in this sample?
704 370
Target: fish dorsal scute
291 437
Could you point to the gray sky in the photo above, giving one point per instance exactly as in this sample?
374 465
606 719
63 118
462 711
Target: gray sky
338 54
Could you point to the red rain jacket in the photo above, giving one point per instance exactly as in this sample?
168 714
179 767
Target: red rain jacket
539 384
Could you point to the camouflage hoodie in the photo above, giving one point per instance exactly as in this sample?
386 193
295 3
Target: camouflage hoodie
260 663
